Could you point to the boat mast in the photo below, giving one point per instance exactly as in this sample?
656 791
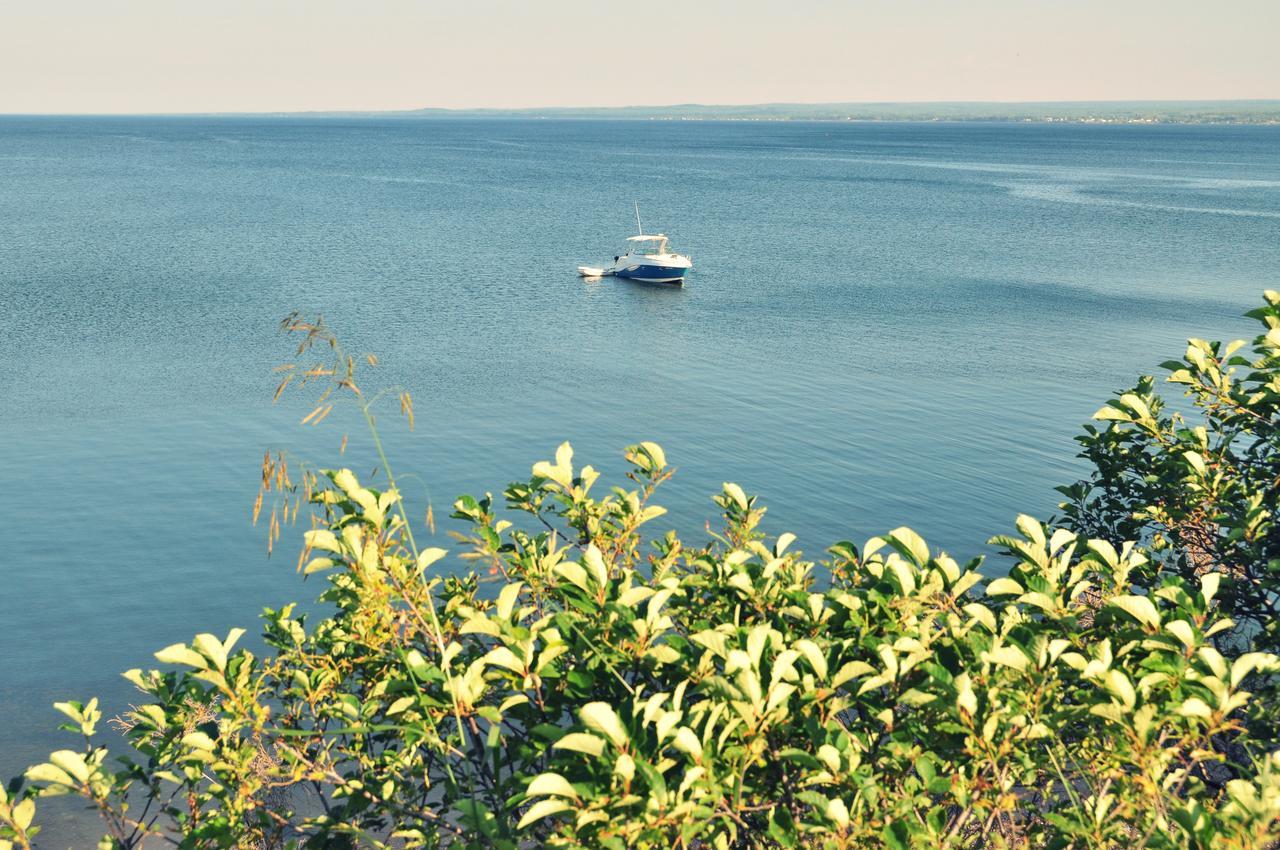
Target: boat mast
639 229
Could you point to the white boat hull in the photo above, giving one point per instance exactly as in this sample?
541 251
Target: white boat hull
651 268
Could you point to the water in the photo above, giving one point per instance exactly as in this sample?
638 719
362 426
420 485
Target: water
886 324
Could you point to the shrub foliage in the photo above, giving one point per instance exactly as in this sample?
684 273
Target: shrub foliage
1200 489
581 683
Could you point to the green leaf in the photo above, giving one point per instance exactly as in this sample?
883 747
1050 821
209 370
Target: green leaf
316 565
837 812
562 471
1115 414
179 653
593 560
1249 662
542 809
72 763
49 774
782 827
323 539
429 556
1118 683
601 717
686 741
24 813
210 647
1197 462
1031 529
851 670
813 654
574 572
551 784
503 657
1195 707
1209 585
1004 587
580 742
966 699
656 455
1007 656
199 741
736 494
896 836
1140 608
909 544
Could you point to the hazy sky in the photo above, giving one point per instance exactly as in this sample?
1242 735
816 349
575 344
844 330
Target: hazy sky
252 55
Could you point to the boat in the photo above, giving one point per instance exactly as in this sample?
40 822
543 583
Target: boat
647 258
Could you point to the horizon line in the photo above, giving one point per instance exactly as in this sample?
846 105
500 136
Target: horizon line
680 105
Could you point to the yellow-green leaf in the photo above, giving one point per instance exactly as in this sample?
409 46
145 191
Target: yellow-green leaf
580 742
182 654
71 762
427 557
542 809
23 813
1140 608
1004 587
551 784
601 717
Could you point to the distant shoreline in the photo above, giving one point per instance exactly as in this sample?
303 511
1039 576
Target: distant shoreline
1252 112
1047 112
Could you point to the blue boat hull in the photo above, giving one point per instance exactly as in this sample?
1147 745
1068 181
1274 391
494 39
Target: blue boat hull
652 274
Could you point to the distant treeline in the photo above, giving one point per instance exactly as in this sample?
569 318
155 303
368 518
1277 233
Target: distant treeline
1156 111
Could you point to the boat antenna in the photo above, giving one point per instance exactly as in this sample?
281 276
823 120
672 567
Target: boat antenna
639 229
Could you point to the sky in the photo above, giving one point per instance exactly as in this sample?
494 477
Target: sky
128 56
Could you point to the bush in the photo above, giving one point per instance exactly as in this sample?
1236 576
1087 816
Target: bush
579 684
1200 490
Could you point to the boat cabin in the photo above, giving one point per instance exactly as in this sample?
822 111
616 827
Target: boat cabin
649 246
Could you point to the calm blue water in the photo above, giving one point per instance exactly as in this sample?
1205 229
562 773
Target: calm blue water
886 324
